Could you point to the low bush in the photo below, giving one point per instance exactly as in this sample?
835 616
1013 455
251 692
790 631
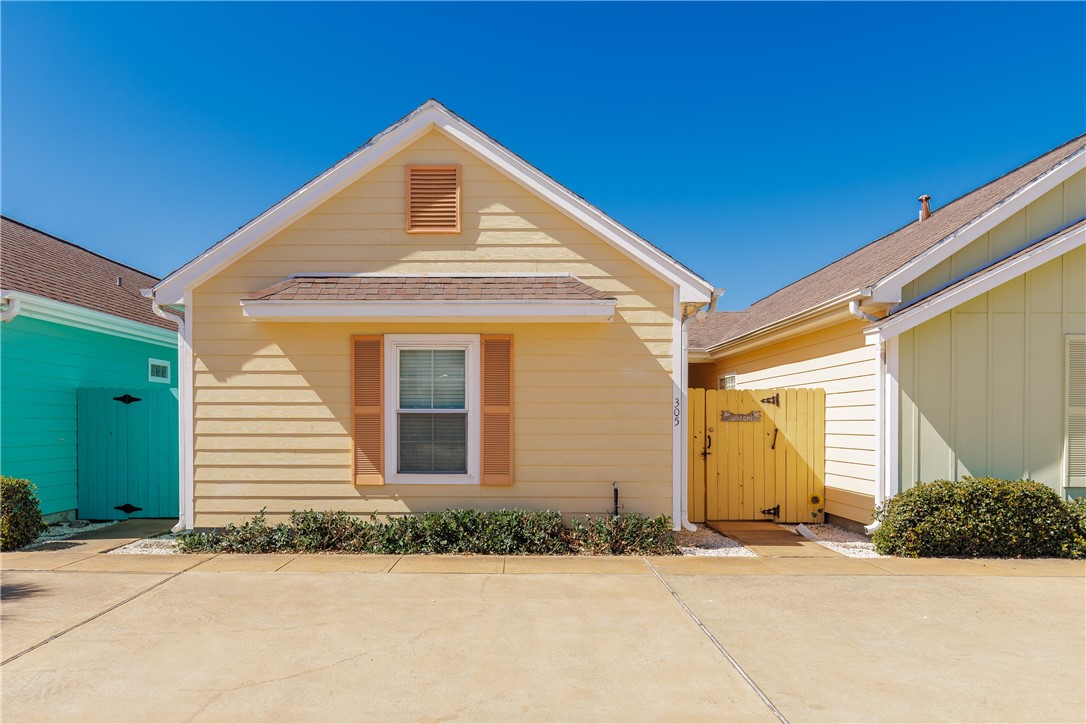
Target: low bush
20 513
501 532
624 534
1077 507
978 518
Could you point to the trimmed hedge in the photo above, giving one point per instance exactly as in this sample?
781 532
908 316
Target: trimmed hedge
980 518
20 513
501 532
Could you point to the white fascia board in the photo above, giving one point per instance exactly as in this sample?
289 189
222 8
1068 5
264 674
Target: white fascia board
430 115
889 288
72 315
996 275
431 311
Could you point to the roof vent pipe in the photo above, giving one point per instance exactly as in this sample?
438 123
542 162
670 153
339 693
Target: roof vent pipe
925 207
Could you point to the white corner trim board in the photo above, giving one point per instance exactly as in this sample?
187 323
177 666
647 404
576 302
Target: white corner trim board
999 273
888 289
428 116
72 315
425 311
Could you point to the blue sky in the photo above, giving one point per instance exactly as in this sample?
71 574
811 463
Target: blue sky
754 142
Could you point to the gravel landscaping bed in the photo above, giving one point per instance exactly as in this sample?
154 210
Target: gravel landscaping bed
707 542
164 544
845 542
61 531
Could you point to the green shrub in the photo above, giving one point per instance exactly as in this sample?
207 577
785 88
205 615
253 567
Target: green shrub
976 518
1077 508
20 513
624 534
501 532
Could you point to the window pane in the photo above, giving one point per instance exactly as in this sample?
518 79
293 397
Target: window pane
432 443
432 379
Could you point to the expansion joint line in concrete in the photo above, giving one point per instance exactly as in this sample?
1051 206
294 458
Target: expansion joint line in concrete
85 621
719 646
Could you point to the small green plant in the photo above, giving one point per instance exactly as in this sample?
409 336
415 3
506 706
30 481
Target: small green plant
1077 508
977 518
20 513
624 534
500 532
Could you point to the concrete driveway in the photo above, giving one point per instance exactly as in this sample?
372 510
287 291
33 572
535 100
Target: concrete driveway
383 638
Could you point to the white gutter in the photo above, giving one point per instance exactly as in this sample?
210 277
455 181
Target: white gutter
11 310
184 494
684 374
880 410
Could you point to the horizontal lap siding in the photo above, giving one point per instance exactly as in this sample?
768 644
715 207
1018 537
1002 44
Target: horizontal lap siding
838 360
43 364
592 402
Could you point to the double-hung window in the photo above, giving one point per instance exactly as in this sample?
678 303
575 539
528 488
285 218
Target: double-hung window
432 425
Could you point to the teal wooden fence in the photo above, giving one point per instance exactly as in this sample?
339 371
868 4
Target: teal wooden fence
128 441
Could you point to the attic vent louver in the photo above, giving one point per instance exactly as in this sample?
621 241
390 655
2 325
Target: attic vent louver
433 199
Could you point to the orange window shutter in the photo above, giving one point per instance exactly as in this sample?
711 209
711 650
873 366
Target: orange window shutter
497 386
367 424
433 199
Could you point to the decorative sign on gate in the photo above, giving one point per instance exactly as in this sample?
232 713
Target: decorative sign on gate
726 416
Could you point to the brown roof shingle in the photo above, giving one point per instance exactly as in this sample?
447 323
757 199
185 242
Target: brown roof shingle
429 288
34 262
866 266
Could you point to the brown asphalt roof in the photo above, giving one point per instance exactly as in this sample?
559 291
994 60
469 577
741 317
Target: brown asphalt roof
34 262
429 288
866 266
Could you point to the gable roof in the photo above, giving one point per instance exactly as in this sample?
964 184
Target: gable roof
38 263
371 154
869 265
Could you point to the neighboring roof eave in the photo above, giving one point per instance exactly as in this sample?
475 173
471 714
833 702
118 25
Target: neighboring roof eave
429 115
73 315
822 312
995 274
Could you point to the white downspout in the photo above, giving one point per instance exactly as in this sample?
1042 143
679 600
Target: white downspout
880 410
684 376
11 311
182 425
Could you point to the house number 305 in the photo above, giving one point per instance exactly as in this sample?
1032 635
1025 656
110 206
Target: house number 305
678 411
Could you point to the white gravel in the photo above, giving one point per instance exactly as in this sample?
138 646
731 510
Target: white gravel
160 545
61 531
845 542
707 542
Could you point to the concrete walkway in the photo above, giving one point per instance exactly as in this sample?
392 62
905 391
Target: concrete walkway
434 638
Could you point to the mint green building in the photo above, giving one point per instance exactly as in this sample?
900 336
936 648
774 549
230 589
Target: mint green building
88 391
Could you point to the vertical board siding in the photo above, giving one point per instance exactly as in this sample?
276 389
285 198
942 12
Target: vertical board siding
591 402
982 386
42 365
741 468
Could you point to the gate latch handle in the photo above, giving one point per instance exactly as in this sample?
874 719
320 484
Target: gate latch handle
708 446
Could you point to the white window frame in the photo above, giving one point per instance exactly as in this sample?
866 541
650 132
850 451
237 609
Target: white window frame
163 363
472 399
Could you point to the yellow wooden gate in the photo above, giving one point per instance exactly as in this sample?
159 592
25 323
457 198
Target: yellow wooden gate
753 450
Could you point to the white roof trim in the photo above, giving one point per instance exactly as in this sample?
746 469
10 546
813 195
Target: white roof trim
429 115
888 289
531 310
997 274
72 315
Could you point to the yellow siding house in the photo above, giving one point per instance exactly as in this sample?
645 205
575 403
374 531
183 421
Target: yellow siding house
431 323
953 346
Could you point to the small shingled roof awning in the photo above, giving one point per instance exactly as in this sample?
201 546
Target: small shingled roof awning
365 297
